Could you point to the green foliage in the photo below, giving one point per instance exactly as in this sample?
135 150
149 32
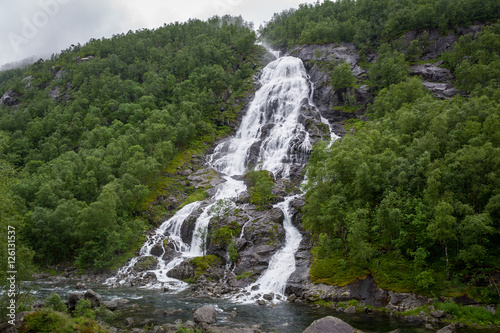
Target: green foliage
204 263
368 23
90 156
244 275
262 186
465 314
390 68
55 303
233 251
84 309
406 197
342 76
50 321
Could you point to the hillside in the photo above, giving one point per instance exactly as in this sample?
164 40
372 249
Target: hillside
104 142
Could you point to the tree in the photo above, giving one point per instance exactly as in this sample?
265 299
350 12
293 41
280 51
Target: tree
442 229
202 234
342 76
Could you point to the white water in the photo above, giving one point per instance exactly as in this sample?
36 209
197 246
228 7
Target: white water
282 264
270 137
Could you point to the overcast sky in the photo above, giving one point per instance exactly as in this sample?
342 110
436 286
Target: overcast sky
42 27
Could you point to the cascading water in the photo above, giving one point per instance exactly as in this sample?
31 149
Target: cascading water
270 137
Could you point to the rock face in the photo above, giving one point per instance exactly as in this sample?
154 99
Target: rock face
10 98
205 314
330 325
325 96
263 235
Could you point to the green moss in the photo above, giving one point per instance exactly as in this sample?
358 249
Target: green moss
204 263
244 275
145 263
198 195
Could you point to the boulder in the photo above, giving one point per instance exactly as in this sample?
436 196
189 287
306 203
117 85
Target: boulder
94 298
437 313
184 270
111 305
73 299
350 310
448 329
205 314
330 325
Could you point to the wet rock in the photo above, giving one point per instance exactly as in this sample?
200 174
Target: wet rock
291 298
94 298
145 263
73 299
205 314
448 329
330 325
111 305
173 312
268 297
80 285
183 271
157 250
350 310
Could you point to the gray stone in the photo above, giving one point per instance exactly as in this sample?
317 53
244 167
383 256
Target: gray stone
350 310
129 321
73 299
431 72
330 325
268 297
94 298
437 313
291 298
10 98
111 305
205 314
80 285
441 90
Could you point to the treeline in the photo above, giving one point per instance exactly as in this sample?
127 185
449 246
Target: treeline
95 124
370 22
413 195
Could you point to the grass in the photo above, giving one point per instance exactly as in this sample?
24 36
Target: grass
204 263
50 321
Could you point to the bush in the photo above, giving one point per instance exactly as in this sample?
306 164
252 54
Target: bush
55 302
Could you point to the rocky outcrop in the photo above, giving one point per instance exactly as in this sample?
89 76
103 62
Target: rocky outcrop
263 235
205 314
433 43
330 325
441 90
10 98
317 59
183 271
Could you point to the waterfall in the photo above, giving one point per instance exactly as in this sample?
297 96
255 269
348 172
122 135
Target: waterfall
270 137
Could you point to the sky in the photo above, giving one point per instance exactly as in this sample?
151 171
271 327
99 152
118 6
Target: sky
39 28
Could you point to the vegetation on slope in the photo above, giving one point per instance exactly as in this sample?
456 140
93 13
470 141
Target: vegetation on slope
413 197
95 126
370 22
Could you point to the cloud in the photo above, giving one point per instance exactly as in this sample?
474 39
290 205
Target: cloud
42 27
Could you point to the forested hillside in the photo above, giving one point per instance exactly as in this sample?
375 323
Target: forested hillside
369 22
84 135
410 196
